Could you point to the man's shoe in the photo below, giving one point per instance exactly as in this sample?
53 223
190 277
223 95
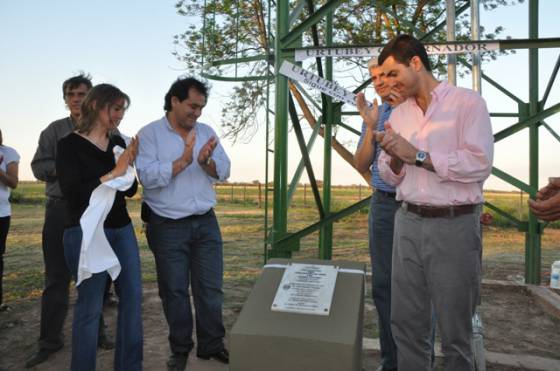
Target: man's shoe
177 362
40 356
103 342
221 356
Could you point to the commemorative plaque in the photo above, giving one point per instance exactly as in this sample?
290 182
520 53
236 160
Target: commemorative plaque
306 288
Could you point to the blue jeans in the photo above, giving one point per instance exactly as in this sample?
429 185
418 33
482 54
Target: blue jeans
189 251
381 226
128 349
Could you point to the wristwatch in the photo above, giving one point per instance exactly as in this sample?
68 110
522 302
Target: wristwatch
420 158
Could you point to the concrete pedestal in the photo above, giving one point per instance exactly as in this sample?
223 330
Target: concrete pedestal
262 339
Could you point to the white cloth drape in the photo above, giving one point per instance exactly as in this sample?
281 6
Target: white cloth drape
96 254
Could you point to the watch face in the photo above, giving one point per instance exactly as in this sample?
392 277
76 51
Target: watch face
420 157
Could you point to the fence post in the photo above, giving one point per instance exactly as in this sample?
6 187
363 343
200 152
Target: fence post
520 203
232 193
244 194
359 192
260 195
305 194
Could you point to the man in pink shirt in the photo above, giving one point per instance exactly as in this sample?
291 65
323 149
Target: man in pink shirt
437 151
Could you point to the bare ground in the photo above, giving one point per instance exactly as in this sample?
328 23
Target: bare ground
513 324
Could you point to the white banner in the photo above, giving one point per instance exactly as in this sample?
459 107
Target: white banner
330 88
302 54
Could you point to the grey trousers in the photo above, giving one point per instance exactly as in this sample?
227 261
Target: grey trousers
435 260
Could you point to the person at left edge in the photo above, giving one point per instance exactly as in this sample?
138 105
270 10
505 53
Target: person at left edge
178 161
85 160
9 164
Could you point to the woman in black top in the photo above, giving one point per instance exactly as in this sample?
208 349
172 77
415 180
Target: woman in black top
85 160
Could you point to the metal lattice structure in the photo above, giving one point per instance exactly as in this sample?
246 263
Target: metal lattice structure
280 240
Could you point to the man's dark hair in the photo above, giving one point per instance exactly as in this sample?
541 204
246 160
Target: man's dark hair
75 81
180 89
402 48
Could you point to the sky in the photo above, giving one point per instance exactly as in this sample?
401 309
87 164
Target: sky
130 43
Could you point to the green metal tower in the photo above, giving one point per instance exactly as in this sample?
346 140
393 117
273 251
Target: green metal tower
280 239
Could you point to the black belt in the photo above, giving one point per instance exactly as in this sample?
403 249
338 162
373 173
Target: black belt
451 211
386 194
146 213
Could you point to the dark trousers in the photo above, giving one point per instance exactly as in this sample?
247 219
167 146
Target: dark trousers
187 252
54 302
381 226
4 227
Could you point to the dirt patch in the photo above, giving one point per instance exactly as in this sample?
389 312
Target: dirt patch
513 324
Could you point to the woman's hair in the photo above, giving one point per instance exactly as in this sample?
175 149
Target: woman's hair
100 97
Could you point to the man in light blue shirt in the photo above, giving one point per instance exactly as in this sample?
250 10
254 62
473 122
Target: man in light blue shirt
178 161
381 217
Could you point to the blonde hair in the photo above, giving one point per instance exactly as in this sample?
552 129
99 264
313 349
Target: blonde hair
99 97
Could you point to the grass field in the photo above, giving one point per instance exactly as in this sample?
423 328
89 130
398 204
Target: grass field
242 223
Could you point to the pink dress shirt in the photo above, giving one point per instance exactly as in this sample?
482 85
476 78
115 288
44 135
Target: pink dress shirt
457 133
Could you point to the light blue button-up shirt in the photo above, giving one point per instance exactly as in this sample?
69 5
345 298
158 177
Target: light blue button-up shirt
191 191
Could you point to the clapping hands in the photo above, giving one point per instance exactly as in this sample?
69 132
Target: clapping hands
206 151
127 158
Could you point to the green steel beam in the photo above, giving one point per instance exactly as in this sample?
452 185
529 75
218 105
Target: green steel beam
254 58
233 78
280 209
532 236
315 37
293 238
530 121
458 12
491 82
504 114
349 128
513 181
306 94
266 230
325 235
297 31
305 155
296 12
518 223
351 113
531 42
551 131
504 44
299 170
550 82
